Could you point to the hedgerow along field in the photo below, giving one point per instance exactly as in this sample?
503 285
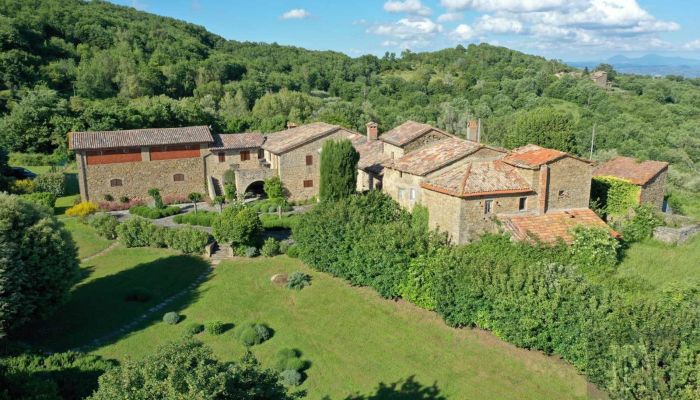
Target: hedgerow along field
354 340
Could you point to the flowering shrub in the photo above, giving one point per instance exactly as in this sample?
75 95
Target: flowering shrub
175 199
120 206
22 186
82 209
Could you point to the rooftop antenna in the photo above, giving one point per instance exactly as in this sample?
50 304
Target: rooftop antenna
592 142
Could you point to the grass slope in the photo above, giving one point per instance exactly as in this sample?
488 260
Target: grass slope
88 241
356 341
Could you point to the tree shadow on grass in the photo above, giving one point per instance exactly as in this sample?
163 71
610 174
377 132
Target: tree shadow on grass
405 389
102 311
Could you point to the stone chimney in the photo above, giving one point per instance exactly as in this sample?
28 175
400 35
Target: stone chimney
291 125
542 189
372 131
473 130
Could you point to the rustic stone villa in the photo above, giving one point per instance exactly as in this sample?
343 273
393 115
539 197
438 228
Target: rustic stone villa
469 188
650 176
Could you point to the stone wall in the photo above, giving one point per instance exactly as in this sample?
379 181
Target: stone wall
399 185
671 235
444 213
392 151
366 181
425 139
216 168
293 169
569 184
654 191
138 177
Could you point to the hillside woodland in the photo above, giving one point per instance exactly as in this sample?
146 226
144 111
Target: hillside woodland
73 65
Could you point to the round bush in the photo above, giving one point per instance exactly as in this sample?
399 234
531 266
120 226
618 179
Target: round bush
298 280
270 248
263 332
171 318
251 334
293 251
194 328
291 377
249 337
215 327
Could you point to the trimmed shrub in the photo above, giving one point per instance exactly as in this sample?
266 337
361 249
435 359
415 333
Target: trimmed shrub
45 199
237 225
291 377
250 334
108 197
215 327
82 209
136 232
105 225
171 318
270 248
187 240
194 329
298 280
157 199
52 182
201 218
154 213
288 359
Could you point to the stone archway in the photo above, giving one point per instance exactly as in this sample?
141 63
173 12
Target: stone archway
255 190
246 178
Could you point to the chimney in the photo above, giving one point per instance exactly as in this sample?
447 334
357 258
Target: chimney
543 189
473 130
291 125
372 131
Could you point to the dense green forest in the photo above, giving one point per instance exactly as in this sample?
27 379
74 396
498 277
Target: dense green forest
74 65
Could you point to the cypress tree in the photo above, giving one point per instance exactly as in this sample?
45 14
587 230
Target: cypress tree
338 170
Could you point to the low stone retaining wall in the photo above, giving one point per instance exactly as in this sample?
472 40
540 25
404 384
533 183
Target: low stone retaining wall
680 235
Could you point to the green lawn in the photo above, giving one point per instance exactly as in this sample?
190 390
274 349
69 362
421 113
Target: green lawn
87 240
355 340
653 266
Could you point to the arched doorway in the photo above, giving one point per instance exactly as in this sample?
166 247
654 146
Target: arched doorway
255 191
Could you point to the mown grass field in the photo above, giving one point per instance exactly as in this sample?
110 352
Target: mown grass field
354 340
85 237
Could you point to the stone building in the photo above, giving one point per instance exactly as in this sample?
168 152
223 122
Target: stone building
600 78
650 176
408 137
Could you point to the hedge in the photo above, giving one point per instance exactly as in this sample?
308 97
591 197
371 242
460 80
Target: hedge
45 199
537 297
139 232
200 218
154 213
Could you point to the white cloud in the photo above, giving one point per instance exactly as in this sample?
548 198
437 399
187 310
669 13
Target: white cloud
407 6
412 32
296 13
506 5
692 45
488 23
463 32
450 17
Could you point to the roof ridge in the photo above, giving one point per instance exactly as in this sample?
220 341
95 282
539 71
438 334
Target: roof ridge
465 177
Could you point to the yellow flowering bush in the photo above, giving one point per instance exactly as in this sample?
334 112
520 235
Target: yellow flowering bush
82 209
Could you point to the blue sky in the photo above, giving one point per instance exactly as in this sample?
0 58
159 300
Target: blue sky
571 30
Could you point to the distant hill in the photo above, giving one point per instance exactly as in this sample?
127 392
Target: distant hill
650 64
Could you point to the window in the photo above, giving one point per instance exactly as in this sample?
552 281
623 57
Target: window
522 202
401 193
261 153
488 206
245 155
562 193
179 177
309 160
308 183
115 182
222 157
412 194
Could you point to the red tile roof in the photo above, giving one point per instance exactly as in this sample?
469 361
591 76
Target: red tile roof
639 173
289 139
533 156
138 137
479 178
233 141
408 132
431 158
371 153
551 226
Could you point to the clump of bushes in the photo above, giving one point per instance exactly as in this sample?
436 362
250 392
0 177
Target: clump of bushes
194 329
82 209
245 251
201 218
215 327
139 232
298 280
292 251
171 318
289 359
52 182
250 333
274 222
105 225
45 199
238 226
291 378
22 186
270 247
270 205
154 213
639 224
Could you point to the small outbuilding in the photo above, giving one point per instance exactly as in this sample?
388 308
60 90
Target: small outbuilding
649 176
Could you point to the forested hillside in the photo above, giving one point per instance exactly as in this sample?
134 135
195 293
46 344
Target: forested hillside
73 65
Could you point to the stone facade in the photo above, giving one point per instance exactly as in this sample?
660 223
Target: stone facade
137 177
654 191
569 184
425 139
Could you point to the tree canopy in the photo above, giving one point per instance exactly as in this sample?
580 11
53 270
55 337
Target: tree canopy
338 170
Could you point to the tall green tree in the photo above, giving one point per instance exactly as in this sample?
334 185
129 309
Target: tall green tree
545 127
338 170
38 263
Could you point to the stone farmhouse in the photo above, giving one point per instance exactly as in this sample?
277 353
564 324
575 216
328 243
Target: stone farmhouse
650 176
469 188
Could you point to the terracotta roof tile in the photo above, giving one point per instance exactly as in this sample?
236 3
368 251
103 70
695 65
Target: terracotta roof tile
630 169
138 137
233 141
428 159
532 156
478 178
551 226
407 132
283 141
371 153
